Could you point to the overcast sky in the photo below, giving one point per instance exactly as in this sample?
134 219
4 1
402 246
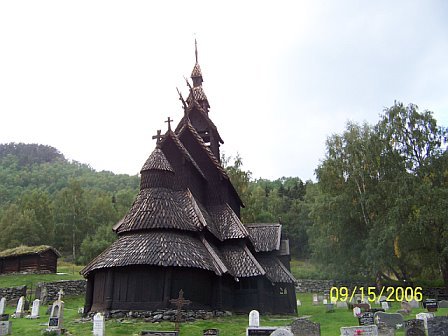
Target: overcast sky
96 79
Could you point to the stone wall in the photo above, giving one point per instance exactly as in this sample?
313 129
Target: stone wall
320 286
13 293
51 289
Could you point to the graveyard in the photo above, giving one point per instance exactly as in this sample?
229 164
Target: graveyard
330 320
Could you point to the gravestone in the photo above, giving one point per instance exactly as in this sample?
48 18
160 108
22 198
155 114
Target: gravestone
305 327
371 330
43 295
414 304
315 299
282 332
210 332
384 330
254 318
4 317
329 307
55 322
35 309
179 303
356 311
424 317
2 305
299 303
443 304
385 305
366 318
260 331
324 301
431 305
341 304
364 306
20 307
406 307
438 326
320 298
5 328
392 320
414 327
99 328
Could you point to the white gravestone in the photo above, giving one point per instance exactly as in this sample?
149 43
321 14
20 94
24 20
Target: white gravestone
325 301
254 318
98 325
371 330
55 322
299 304
424 317
315 299
35 309
356 311
5 328
385 305
2 305
20 305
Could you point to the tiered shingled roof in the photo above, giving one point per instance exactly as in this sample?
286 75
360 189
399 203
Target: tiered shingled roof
275 270
227 222
265 237
157 161
241 261
155 248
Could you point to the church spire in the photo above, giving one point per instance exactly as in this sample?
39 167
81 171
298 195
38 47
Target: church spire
196 74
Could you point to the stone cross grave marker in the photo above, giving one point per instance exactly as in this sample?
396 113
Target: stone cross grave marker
55 322
20 306
424 317
254 318
99 328
35 309
179 303
392 320
282 332
371 330
414 327
438 326
305 327
2 305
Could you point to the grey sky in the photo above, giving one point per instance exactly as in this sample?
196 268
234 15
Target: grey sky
96 79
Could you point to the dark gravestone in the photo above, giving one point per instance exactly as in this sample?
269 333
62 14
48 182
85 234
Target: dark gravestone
159 333
431 305
4 317
384 330
391 320
260 331
414 328
366 319
53 322
304 327
210 332
438 326
363 306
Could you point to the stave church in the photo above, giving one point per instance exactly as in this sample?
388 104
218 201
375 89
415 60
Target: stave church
183 232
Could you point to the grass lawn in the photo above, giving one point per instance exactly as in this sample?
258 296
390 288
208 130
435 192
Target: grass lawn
228 326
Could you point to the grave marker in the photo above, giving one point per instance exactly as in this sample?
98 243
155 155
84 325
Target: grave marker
254 318
443 304
315 299
424 317
431 305
55 322
438 326
179 303
159 333
99 328
392 320
341 304
20 306
371 330
356 311
35 309
282 332
260 331
305 327
366 318
414 328
2 305
5 328
210 332
385 305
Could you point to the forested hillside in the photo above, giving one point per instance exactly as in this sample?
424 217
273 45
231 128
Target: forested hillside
45 199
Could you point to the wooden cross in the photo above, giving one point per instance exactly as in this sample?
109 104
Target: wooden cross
158 136
179 302
169 120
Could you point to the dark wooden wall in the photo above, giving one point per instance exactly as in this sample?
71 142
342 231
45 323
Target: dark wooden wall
45 262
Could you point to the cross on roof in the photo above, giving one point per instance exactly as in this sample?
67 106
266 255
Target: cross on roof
169 120
179 302
158 136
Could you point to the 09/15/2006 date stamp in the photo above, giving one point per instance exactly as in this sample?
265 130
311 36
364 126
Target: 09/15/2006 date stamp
371 293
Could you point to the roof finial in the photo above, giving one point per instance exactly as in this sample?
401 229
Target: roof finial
196 49
169 120
158 136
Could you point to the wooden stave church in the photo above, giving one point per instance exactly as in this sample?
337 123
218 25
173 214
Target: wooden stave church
184 232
